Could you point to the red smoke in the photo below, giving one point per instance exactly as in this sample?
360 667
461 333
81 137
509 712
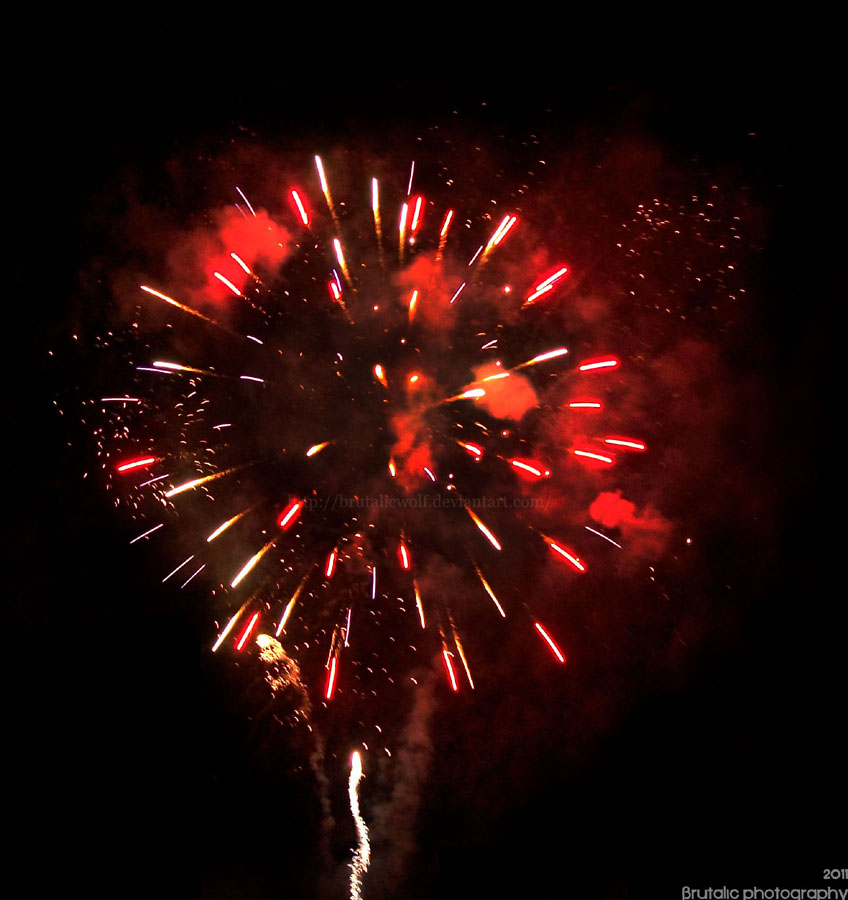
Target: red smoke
506 398
646 532
254 239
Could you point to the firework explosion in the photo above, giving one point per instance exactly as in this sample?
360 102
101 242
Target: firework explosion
350 465
354 412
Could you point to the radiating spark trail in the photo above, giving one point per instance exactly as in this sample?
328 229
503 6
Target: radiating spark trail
248 567
473 449
569 555
490 344
500 232
183 563
331 564
404 556
291 604
300 208
186 309
246 633
550 642
373 582
227 283
584 404
362 855
551 354
488 534
404 212
544 286
418 604
458 292
153 480
413 301
430 474
331 679
462 657
490 592
196 482
337 245
601 364
224 526
317 448
325 188
601 535
347 627
289 515
136 464
242 263
449 668
223 635
190 577
380 375
246 200
416 215
628 443
446 224
472 394
411 173
149 531
528 468
586 454
119 400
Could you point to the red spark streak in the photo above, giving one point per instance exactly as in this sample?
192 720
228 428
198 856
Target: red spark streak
331 680
331 564
629 443
451 674
473 449
586 454
228 283
528 467
569 555
446 223
290 514
300 207
247 631
403 553
550 642
591 365
416 215
136 463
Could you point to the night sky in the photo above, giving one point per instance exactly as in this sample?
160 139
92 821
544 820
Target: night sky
689 740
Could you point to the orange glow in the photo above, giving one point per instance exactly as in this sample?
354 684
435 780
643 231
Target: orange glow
380 375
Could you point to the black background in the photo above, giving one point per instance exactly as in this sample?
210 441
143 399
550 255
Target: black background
728 778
